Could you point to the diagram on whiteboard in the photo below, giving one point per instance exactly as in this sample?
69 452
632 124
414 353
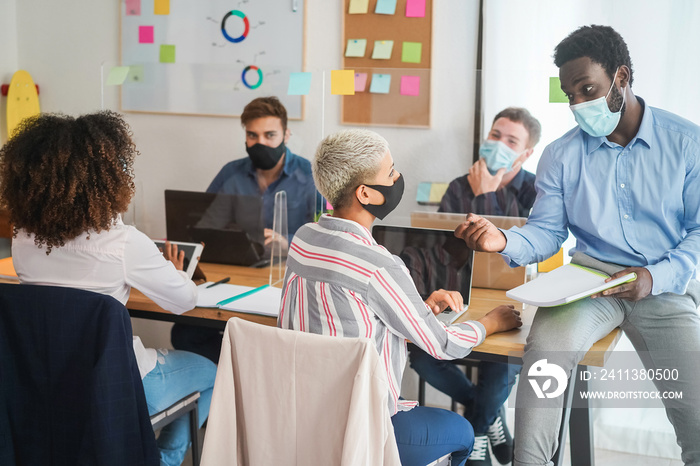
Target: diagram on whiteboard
210 57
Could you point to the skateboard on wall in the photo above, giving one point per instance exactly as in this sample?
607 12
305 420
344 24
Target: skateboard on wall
22 99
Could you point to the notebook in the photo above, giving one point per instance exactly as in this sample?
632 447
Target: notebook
264 300
490 270
435 258
229 225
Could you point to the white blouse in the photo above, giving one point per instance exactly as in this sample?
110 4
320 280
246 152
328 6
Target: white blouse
109 262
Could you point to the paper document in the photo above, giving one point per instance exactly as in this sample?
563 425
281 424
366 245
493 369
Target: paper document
263 300
564 285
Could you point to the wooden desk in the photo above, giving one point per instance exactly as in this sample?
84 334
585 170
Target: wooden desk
496 347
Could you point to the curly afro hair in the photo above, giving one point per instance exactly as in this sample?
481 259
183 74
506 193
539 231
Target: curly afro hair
61 176
602 44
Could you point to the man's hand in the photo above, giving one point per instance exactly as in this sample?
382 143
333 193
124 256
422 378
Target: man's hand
632 291
481 235
481 180
501 319
171 253
440 300
271 236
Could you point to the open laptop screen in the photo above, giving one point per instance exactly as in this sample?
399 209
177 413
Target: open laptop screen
229 225
435 258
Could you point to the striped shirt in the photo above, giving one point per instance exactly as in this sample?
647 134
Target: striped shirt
340 282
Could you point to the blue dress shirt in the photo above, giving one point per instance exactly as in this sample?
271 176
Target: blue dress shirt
637 205
239 177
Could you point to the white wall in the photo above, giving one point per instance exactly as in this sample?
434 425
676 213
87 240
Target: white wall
63 44
8 56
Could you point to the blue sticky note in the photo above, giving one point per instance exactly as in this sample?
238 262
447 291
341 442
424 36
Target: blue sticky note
423 193
299 84
380 83
385 7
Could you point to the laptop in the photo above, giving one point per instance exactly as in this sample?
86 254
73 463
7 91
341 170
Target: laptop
229 225
490 270
435 258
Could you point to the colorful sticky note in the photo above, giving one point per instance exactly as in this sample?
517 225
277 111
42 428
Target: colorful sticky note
360 82
328 205
135 74
557 260
299 84
556 95
343 82
133 7
415 8
385 7
411 52
161 7
356 48
382 49
410 85
423 193
167 54
145 34
380 83
437 191
117 75
358 7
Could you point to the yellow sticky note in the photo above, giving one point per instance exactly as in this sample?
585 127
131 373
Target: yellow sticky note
343 82
161 7
557 260
358 7
437 191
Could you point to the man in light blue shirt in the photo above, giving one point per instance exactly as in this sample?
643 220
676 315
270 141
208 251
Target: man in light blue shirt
625 182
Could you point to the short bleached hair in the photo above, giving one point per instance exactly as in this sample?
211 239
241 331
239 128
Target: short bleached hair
344 161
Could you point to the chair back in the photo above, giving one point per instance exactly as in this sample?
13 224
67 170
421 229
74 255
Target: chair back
70 389
288 397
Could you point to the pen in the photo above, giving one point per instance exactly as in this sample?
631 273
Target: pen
223 280
242 295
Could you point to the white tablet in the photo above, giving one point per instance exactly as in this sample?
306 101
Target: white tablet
193 251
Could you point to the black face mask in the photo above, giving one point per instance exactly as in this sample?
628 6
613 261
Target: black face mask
265 157
392 196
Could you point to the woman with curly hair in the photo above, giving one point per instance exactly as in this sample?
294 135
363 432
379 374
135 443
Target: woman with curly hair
65 182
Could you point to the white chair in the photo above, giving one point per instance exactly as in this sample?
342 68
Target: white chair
288 397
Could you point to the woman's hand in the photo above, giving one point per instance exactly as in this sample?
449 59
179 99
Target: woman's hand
177 257
440 300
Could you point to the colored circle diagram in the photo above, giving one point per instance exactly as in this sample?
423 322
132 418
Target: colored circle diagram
246 26
260 77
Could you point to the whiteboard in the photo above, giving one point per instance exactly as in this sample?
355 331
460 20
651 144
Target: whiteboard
210 57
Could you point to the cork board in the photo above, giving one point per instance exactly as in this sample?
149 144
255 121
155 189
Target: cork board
407 102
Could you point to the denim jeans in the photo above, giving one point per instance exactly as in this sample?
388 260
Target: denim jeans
483 400
426 434
176 375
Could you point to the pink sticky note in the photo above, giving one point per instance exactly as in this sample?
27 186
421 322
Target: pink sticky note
145 34
360 82
133 7
415 8
410 85
328 205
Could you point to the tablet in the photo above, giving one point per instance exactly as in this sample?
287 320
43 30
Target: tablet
193 251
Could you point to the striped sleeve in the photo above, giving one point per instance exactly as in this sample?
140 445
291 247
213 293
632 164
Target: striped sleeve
394 298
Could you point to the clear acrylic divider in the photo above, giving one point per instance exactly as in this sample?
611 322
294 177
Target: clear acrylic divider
280 240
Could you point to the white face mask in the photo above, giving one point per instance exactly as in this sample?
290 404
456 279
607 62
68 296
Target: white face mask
595 117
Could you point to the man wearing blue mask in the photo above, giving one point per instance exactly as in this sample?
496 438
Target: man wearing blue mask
269 168
496 183
624 182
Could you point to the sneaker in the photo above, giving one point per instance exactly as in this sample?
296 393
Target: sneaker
480 453
500 439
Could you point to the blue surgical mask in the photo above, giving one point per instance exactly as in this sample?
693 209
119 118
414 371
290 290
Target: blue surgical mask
595 117
497 155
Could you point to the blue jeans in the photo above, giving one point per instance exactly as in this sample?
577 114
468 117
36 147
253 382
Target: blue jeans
483 400
426 434
176 375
